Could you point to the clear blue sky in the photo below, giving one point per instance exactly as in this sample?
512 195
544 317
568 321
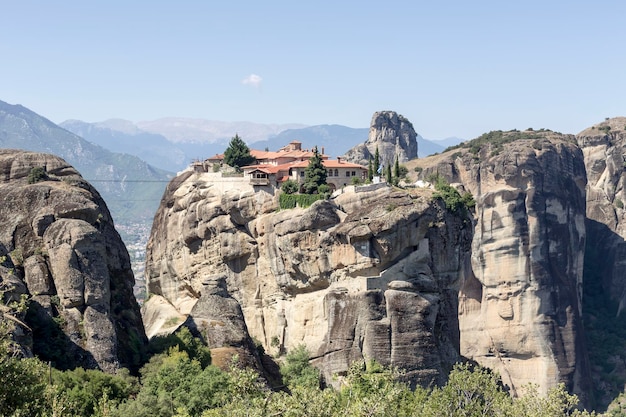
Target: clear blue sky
453 68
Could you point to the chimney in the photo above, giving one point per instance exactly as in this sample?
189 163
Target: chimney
338 159
322 150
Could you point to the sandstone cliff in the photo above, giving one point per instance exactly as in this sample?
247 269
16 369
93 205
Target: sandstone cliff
372 273
394 137
60 249
604 149
520 305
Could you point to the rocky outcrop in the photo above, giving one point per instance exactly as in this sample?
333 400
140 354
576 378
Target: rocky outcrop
520 307
371 273
60 249
392 134
604 149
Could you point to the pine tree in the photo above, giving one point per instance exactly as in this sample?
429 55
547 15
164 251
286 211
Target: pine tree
314 174
237 154
396 172
376 162
370 169
388 176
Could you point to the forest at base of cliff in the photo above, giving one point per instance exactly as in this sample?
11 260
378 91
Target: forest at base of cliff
179 381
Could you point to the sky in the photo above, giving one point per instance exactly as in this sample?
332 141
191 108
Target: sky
452 68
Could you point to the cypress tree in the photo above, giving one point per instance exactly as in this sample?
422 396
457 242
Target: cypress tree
376 162
314 174
396 172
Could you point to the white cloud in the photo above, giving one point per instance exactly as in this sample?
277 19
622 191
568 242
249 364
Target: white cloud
253 80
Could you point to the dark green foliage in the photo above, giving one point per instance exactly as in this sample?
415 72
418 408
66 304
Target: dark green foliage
396 170
314 174
454 201
403 171
356 181
605 129
289 187
37 174
50 343
166 380
289 201
471 391
184 341
388 176
376 162
238 154
496 139
22 381
324 190
83 389
297 371
604 328
370 170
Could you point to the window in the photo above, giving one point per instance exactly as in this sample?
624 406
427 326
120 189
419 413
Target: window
329 173
302 174
347 173
336 172
354 173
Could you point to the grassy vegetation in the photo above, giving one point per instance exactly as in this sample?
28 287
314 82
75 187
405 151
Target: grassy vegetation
496 140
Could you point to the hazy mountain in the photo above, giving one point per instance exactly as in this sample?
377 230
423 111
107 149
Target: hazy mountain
178 129
447 142
335 139
427 147
181 140
125 137
131 188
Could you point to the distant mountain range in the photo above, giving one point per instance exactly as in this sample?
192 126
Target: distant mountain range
131 187
130 163
173 150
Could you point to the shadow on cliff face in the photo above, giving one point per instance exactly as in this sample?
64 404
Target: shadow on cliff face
51 344
604 324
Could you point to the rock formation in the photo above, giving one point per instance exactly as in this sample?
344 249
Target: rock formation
604 149
394 137
371 273
60 249
520 307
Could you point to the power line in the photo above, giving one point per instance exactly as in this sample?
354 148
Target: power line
119 181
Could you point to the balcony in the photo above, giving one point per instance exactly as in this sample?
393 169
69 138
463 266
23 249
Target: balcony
260 181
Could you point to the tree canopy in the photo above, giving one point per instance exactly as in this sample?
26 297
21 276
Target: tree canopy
314 174
238 154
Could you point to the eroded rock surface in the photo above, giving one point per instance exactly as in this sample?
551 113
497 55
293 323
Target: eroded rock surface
604 149
520 306
392 134
370 274
60 249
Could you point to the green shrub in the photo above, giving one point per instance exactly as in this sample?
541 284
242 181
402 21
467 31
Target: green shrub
453 200
356 181
37 174
297 371
83 389
183 340
289 201
289 187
